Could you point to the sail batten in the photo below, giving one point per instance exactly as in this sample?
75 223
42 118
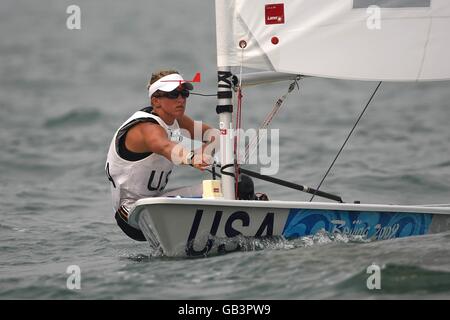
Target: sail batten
397 40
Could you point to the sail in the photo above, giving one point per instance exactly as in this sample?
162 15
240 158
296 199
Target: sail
389 40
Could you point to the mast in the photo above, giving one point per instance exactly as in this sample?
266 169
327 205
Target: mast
225 111
224 35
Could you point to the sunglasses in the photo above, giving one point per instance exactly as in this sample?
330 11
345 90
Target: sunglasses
174 94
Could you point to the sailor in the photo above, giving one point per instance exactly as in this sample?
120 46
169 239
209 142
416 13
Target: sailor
145 148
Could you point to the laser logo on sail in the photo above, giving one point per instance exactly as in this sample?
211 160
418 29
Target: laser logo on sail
275 13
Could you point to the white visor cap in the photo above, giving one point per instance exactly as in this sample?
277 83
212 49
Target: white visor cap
169 83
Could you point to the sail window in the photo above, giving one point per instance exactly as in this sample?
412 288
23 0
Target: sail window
357 4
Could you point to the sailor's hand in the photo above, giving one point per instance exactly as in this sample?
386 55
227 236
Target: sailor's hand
202 158
198 160
201 161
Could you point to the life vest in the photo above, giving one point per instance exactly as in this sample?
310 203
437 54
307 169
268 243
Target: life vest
147 177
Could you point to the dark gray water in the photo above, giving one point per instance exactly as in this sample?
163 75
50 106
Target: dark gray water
63 94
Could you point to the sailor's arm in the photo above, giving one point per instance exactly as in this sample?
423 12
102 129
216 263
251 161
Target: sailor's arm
154 139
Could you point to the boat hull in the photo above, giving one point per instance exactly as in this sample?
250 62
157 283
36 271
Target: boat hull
195 227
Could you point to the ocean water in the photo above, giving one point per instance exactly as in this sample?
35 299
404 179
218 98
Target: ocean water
64 92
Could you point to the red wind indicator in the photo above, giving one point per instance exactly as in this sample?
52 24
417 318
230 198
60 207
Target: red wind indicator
197 78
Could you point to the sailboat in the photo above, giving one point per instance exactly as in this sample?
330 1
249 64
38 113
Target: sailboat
372 40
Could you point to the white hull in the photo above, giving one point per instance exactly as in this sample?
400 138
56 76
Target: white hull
192 227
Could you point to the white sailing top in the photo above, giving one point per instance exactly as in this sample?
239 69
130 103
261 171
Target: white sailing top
132 180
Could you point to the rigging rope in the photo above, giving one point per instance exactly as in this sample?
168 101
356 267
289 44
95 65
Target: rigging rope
204 95
236 137
238 125
254 144
345 142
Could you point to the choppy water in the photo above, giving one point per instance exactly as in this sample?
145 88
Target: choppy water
62 95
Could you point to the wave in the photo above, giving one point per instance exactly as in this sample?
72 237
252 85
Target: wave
79 117
241 243
400 279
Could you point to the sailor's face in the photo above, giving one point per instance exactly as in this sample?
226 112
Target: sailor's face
174 107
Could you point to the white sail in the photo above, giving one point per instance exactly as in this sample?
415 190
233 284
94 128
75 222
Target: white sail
393 40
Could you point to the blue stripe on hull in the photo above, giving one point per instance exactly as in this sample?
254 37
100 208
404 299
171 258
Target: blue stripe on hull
371 225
